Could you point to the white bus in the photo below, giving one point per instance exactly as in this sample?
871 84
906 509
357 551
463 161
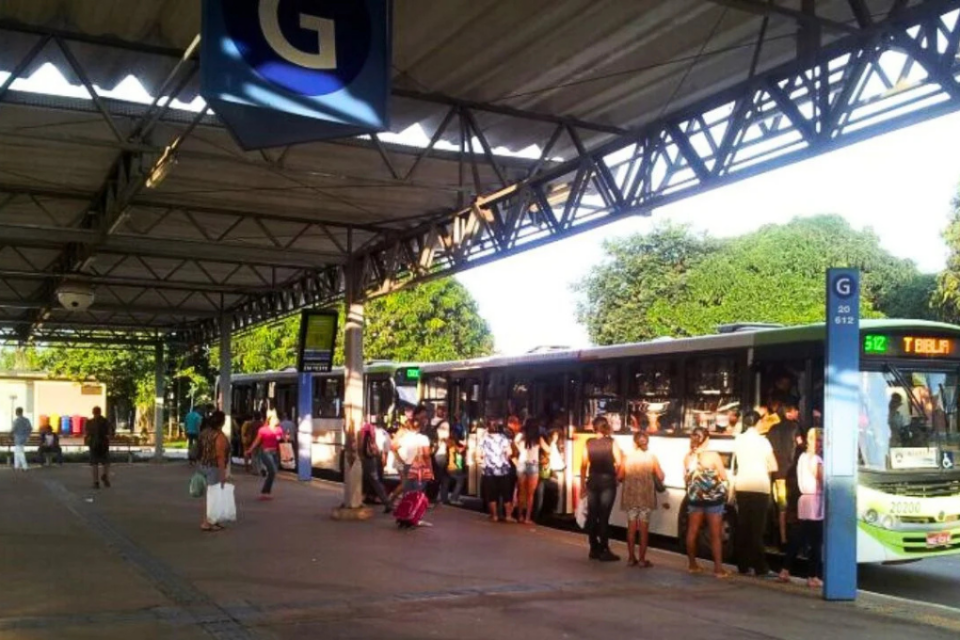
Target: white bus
909 486
389 387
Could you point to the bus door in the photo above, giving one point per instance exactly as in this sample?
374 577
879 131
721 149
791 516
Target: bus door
551 399
784 379
285 400
378 398
464 409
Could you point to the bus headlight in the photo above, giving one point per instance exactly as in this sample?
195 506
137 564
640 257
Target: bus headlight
871 516
888 522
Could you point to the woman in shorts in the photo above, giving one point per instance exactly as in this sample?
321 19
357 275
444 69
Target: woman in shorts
706 481
639 497
528 443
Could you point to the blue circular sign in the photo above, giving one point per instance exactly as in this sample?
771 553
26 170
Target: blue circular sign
844 287
309 47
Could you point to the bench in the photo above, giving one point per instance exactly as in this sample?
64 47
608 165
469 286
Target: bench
68 444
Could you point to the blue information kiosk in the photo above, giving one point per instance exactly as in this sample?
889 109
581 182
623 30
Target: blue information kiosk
841 416
318 337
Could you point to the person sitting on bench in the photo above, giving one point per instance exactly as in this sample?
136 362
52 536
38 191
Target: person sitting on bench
49 446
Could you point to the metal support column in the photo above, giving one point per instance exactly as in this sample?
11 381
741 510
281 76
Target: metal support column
304 427
353 403
158 396
226 371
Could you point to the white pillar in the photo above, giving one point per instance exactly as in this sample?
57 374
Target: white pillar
226 371
353 402
158 396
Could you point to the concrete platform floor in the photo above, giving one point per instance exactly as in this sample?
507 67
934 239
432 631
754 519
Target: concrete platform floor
131 562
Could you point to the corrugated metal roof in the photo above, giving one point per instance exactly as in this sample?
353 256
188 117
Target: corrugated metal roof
615 62
237 223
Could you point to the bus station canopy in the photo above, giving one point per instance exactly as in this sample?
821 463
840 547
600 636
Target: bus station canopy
512 124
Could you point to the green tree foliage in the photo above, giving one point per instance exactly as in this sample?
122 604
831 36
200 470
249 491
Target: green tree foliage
437 320
672 282
128 374
625 297
948 284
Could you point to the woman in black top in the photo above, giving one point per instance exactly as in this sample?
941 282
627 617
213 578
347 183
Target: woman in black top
598 483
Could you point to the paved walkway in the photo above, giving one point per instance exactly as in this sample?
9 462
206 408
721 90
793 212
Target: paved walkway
130 562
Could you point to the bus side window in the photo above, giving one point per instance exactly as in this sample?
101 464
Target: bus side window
714 388
653 396
601 396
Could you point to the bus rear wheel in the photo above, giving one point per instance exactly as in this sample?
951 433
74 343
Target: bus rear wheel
728 532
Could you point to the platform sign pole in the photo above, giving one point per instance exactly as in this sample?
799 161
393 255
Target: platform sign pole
841 417
305 427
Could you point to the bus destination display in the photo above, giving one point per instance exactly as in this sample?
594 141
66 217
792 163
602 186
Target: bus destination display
318 337
920 346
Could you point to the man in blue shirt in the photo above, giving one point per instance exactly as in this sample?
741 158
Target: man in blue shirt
192 426
21 433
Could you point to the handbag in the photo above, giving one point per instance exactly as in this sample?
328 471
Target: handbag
198 484
288 460
582 509
658 485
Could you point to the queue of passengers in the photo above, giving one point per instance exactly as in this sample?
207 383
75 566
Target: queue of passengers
430 455
776 462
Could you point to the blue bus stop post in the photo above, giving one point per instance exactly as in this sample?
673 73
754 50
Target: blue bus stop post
841 419
304 427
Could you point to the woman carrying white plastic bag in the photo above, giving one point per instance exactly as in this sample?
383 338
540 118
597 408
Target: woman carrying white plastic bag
214 456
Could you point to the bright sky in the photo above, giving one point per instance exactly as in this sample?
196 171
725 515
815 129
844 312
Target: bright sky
900 184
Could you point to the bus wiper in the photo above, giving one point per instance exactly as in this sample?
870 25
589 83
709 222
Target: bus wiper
908 389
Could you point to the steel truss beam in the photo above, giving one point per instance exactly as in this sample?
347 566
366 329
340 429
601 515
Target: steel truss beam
765 8
130 172
893 73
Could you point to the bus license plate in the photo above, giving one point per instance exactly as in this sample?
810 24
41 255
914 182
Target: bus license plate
938 539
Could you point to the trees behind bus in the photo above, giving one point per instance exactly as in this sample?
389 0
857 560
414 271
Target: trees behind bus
675 282
436 320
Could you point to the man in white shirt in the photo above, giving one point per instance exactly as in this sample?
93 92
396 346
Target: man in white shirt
755 462
21 434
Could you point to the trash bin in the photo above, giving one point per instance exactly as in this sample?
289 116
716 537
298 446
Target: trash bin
44 421
76 425
65 424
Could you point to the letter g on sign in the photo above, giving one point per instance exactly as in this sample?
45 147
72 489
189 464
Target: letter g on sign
843 286
326 56
307 47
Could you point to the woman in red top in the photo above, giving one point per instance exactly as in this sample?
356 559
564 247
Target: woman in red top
268 439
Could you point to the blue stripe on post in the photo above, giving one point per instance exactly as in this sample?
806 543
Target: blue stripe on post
305 427
841 418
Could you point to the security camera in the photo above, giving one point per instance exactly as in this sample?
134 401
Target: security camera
75 297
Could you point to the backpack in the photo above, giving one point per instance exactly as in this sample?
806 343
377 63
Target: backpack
705 485
370 450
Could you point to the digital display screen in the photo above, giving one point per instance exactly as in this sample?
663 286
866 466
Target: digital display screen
408 375
318 338
910 346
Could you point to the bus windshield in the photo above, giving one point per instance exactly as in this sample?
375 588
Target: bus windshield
908 418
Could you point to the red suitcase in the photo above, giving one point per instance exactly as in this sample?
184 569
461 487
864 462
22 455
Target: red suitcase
409 512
